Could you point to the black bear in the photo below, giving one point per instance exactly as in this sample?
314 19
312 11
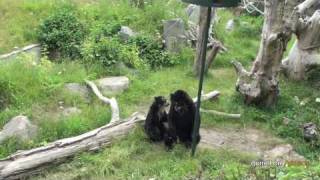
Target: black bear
181 118
157 117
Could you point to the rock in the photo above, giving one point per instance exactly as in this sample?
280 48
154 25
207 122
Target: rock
19 127
113 85
125 33
174 35
70 111
283 152
318 100
230 25
78 89
310 132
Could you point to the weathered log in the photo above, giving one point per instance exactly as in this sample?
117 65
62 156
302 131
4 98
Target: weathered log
208 96
218 113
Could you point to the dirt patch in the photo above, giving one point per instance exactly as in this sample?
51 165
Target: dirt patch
248 140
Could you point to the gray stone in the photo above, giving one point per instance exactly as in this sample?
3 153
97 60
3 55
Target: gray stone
113 85
310 132
125 33
230 25
34 50
70 111
174 34
78 89
19 127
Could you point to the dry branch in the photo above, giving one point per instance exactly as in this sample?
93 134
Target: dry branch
301 8
210 95
112 102
227 115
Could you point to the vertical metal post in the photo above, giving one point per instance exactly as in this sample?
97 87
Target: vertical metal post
203 53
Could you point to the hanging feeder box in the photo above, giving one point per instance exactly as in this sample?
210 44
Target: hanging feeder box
214 3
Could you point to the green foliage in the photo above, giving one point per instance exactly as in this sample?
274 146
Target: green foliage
109 51
104 29
152 52
246 33
62 32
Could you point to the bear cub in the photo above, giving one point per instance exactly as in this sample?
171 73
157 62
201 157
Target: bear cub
156 119
181 118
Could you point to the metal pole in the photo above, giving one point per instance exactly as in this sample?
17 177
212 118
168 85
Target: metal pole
203 44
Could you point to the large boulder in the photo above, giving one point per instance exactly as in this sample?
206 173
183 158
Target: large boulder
78 89
113 85
174 34
19 127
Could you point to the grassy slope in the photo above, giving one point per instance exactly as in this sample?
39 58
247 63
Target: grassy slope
38 90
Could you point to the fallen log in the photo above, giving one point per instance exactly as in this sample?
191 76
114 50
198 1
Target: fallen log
206 97
218 113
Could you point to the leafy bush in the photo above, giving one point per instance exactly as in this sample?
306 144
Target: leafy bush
62 32
152 53
102 29
109 51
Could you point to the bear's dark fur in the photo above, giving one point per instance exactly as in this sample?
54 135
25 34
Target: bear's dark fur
181 118
156 118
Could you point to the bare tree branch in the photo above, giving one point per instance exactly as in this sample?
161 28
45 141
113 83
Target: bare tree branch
112 102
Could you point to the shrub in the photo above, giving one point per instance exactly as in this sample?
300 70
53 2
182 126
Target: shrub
109 51
102 29
62 32
151 52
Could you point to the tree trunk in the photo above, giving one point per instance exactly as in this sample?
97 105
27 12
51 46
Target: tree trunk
260 86
305 54
203 24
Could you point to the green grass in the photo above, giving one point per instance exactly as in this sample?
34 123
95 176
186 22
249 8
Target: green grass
36 90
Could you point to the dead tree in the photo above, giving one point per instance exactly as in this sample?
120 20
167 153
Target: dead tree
260 85
305 54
